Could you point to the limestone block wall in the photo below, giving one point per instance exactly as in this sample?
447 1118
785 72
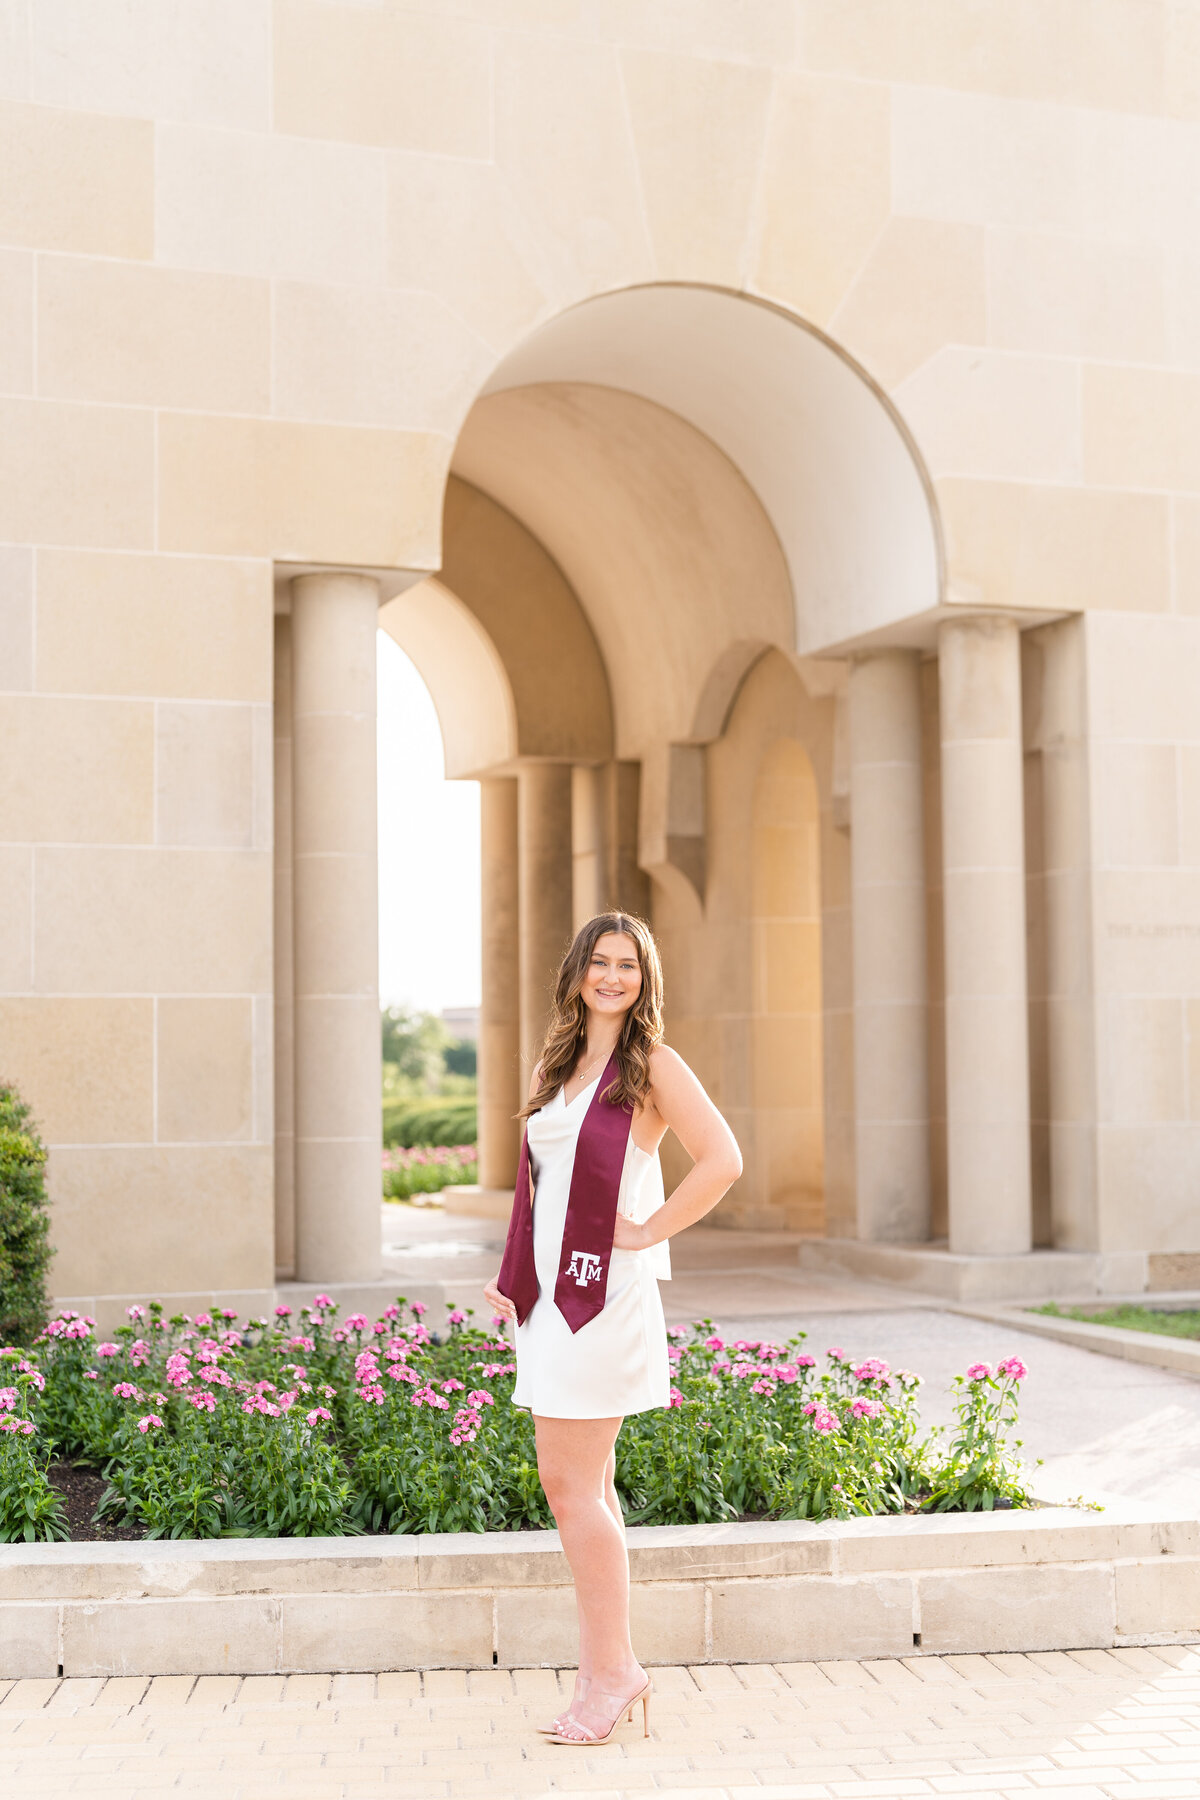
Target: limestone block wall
257 260
1144 766
136 902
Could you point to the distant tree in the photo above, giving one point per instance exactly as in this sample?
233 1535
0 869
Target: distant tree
415 1043
24 1222
459 1057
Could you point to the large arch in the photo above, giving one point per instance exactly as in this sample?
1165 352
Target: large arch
727 506
819 444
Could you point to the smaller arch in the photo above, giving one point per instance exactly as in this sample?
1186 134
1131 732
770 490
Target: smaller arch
721 686
467 681
530 613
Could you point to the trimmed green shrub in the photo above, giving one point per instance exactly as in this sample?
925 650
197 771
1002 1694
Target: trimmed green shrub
24 1222
431 1121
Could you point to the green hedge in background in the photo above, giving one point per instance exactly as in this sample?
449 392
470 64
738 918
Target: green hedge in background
24 1222
428 1121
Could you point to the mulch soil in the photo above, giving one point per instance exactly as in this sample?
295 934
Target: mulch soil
81 1488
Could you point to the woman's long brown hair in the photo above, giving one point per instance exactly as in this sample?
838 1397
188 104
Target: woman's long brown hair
566 1034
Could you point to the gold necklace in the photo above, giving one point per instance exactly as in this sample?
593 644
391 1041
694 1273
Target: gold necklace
577 1074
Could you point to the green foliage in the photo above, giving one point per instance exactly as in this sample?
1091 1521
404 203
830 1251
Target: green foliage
1185 1323
460 1057
24 1222
209 1428
981 1471
422 1063
30 1510
444 1122
414 1042
427 1169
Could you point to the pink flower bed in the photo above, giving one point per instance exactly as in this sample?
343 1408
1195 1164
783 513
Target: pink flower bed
292 1427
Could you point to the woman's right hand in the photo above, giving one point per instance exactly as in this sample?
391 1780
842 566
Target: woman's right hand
499 1303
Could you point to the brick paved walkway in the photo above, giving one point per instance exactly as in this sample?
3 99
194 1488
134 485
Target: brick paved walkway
1092 1725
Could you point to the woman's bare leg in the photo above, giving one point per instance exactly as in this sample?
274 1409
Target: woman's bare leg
576 1463
614 1507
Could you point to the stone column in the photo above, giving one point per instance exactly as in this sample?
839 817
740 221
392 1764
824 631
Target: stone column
285 1106
891 1069
1070 948
629 883
983 849
501 1090
335 911
589 841
544 863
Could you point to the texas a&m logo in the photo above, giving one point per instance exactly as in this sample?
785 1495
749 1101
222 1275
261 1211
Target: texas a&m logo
584 1267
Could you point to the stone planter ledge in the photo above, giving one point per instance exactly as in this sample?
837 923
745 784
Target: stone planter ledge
1053 1578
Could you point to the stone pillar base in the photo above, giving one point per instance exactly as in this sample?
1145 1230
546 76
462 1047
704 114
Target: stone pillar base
478 1202
934 1270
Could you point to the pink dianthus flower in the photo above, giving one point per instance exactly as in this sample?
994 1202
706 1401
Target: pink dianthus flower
1013 1367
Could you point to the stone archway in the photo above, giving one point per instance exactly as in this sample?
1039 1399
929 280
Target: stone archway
671 514
715 482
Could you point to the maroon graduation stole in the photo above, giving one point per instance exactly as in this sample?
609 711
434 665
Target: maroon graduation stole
582 1285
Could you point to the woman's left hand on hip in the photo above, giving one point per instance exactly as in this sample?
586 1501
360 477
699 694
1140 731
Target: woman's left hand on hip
627 1235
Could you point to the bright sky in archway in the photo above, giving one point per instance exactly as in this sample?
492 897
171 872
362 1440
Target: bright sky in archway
428 851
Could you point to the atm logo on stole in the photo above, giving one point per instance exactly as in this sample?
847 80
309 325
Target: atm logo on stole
584 1267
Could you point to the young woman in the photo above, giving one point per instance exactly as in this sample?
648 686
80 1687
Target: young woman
586 1249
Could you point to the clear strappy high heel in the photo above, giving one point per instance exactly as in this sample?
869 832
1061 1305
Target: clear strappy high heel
583 1683
589 1738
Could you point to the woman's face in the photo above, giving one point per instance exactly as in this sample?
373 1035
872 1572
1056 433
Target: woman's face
613 979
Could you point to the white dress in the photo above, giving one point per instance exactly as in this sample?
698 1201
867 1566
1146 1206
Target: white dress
616 1363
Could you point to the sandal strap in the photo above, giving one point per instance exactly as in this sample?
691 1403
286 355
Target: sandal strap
589 1736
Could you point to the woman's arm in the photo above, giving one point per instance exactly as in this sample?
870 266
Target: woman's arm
683 1105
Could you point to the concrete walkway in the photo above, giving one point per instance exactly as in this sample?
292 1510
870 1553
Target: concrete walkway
1099 1425
1093 1725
